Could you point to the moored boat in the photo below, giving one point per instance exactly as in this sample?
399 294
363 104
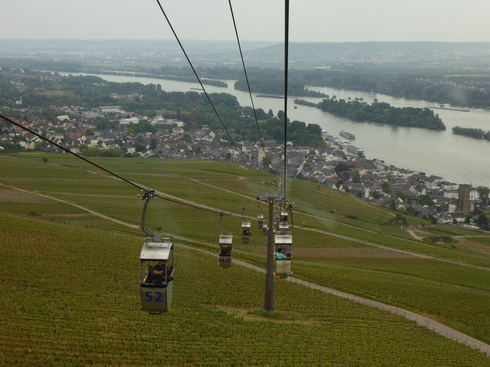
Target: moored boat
347 135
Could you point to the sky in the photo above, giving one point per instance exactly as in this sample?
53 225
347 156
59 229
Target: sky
257 20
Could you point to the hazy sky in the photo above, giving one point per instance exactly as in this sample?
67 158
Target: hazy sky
310 20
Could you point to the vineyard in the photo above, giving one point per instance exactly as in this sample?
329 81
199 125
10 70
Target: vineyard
69 279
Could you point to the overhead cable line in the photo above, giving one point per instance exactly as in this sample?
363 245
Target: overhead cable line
246 75
194 206
146 190
202 85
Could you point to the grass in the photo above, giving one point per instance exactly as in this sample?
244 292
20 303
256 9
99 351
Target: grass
78 305
337 257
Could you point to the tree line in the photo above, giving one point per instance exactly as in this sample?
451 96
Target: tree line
380 112
472 132
276 87
458 87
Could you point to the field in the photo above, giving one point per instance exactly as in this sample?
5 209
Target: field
69 278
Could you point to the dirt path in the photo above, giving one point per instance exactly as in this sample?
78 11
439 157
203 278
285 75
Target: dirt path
420 320
72 204
414 235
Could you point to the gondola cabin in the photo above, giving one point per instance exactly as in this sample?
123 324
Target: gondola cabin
265 229
283 226
226 249
157 269
260 221
283 254
284 216
246 232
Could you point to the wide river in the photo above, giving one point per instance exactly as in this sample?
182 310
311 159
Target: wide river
457 158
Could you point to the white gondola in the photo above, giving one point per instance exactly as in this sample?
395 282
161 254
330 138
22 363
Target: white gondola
260 221
246 232
284 217
265 229
283 226
157 268
283 254
226 249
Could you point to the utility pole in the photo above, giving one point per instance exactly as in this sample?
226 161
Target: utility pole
269 271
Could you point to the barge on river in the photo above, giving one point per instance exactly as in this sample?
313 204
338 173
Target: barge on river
347 135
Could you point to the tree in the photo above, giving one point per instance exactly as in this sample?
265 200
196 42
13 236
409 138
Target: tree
142 126
356 177
386 187
83 149
376 195
482 222
483 192
411 211
399 219
342 166
426 200
139 147
45 160
280 115
266 161
103 125
400 194
432 219
314 129
117 152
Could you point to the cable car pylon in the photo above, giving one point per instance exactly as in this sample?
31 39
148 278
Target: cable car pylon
279 244
269 270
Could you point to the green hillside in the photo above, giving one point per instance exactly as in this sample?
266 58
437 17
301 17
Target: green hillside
69 278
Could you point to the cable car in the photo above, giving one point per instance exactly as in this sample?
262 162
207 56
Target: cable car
246 233
277 220
283 227
226 249
157 270
260 221
284 216
265 229
283 254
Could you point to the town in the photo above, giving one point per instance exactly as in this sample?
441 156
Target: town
340 165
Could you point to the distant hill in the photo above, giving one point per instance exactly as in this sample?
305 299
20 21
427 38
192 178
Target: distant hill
15 47
255 52
375 51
